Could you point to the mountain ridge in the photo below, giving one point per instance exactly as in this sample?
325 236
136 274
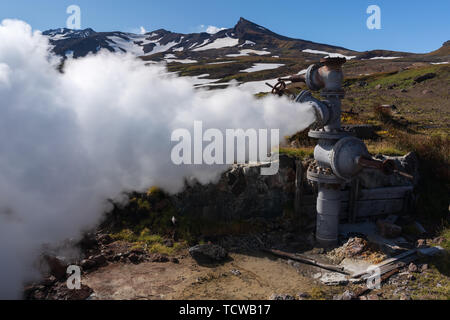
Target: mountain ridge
83 42
88 40
247 53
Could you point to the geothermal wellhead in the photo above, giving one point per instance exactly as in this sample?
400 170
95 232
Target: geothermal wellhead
339 157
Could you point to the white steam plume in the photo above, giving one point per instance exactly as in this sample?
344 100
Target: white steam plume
69 141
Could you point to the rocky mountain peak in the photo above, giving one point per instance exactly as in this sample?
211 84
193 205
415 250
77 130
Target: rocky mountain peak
248 30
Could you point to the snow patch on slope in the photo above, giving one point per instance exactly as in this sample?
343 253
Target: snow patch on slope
163 48
120 45
247 42
219 43
263 66
385 58
247 52
330 54
257 86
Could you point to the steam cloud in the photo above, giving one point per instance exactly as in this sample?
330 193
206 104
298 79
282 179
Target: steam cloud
70 141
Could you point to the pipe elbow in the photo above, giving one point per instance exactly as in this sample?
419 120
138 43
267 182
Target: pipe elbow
321 109
327 77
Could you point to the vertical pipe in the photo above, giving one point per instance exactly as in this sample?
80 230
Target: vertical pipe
328 209
335 115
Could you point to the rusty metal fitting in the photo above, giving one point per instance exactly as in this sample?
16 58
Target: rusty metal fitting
326 75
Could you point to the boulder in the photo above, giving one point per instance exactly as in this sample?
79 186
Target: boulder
208 253
235 272
362 83
168 243
49 281
334 279
104 239
388 230
277 296
58 268
87 264
100 260
347 295
413 268
135 258
61 292
89 241
425 77
157 257
303 295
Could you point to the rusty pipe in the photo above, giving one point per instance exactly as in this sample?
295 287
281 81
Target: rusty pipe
387 166
296 78
326 75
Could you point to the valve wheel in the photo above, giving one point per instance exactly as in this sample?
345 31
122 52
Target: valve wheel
279 88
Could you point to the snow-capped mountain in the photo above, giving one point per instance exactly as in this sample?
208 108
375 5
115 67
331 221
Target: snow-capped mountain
244 39
247 53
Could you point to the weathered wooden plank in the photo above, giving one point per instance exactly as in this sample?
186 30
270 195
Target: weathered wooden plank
379 207
306 260
368 194
384 193
365 208
298 188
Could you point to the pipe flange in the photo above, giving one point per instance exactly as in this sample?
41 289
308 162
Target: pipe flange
303 96
309 77
323 177
321 108
331 135
331 94
344 155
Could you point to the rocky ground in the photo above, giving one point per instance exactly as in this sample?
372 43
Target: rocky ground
239 267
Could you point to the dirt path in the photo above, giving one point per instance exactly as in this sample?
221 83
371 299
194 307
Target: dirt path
258 278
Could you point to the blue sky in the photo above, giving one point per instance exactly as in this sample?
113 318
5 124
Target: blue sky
414 26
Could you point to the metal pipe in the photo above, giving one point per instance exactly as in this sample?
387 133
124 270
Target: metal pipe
328 209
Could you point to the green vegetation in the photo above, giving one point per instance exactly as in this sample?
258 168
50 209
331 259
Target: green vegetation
446 242
153 243
300 153
403 79
430 285
146 220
